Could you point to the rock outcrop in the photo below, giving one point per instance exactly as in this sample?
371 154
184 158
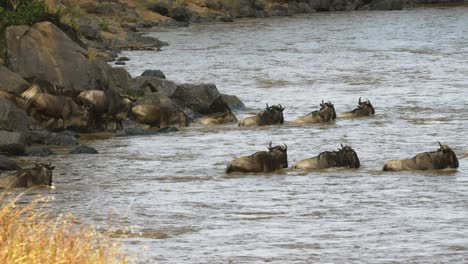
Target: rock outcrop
12 143
45 52
12 82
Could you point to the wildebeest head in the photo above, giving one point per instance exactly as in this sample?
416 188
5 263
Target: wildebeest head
280 151
327 110
272 114
365 107
446 157
41 174
349 157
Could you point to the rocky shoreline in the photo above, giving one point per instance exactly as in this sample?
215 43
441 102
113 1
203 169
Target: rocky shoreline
72 55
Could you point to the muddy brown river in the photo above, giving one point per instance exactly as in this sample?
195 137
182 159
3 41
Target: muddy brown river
170 192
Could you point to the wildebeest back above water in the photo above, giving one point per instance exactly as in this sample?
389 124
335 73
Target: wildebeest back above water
443 158
325 114
159 116
271 115
276 158
39 175
344 157
219 118
363 109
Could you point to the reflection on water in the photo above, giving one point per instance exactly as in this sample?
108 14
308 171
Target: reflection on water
171 192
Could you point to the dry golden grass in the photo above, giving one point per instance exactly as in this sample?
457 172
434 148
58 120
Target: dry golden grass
30 235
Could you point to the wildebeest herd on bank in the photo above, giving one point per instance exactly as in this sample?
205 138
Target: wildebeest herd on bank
99 108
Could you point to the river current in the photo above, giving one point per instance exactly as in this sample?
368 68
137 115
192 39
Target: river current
170 194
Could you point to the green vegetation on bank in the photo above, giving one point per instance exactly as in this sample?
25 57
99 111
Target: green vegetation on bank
22 12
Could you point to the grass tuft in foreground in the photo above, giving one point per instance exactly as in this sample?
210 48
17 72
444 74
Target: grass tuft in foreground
29 235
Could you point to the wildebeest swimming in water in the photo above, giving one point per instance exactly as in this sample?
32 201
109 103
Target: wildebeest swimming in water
276 158
40 174
271 115
363 109
325 114
345 157
219 118
443 158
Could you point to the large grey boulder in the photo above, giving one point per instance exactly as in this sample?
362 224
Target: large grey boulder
45 52
12 143
386 5
13 118
233 102
12 82
8 164
202 98
148 84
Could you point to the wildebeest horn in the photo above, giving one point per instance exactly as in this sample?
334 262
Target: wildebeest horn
359 100
322 101
270 144
285 147
439 144
342 145
267 105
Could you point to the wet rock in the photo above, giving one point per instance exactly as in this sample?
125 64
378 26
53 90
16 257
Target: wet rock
135 131
226 19
123 59
45 52
279 10
202 98
13 118
233 102
64 138
181 13
12 143
8 164
12 82
120 63
119 79
154 73
136 41
39 152
83 149
320 5
386 5
154 85
161 8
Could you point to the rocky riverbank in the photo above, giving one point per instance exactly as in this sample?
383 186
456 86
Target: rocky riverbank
70 54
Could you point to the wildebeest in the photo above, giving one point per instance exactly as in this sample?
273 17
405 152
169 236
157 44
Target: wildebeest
363 109
271 115
18 101
325 114
58 107
276 158
219 118
344 157
443 158
39 86
108 106
159 116
40 174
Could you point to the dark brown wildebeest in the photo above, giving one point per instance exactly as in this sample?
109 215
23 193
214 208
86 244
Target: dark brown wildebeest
443 158
276 158
108 106
363 109
40 174
345 157
159 116
40 86
271 115
58 107
325 114
219 118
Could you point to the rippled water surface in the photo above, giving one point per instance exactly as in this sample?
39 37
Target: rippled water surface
171 190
